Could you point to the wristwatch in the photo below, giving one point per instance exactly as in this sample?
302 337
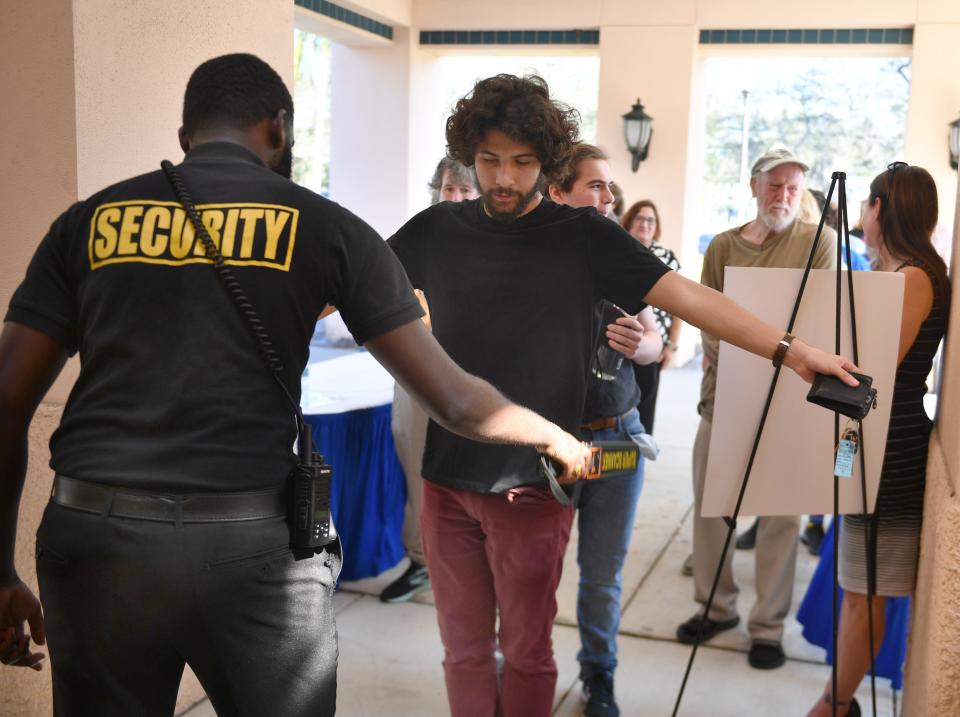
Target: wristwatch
781 351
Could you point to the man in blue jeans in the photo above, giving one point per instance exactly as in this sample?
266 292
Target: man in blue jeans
606 508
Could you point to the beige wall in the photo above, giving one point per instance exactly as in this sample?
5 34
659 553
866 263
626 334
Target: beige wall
39 145
934 102
627 56
93 91
370 131
932 680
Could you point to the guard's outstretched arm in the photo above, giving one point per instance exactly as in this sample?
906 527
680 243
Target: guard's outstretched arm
30 361
465 404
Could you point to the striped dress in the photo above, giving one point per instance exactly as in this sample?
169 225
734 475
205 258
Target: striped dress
899 511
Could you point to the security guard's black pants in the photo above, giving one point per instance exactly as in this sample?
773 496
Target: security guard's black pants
128 602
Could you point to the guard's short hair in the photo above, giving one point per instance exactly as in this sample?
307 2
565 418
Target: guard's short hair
237 91
521 108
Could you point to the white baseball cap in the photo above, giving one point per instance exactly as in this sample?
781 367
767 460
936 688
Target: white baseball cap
776 155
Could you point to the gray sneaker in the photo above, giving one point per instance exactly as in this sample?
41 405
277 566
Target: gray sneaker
413 581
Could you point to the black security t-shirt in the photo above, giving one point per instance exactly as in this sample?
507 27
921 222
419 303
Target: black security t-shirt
173 393
514 304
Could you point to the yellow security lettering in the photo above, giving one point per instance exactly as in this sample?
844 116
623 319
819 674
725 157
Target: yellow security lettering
212 219
249 217
181 235
276 221
152 242
161 233
229 232
105 241
130 226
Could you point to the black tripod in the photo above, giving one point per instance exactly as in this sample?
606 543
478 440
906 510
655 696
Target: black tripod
838 183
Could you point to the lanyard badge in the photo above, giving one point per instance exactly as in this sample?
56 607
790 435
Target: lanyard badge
846 450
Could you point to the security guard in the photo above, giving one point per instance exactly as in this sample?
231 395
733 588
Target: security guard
166 540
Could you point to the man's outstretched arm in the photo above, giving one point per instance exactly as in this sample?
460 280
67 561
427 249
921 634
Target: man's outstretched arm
720 316
465 404
30 361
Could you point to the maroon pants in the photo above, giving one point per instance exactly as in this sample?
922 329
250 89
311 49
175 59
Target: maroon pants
486 552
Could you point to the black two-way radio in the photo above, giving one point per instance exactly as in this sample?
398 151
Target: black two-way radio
308 515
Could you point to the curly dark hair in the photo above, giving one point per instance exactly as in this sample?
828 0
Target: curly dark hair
521 108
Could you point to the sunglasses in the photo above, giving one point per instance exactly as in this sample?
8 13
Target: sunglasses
892 168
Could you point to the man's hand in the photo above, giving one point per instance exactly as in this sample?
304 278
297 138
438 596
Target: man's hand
807 361
625 336
573 455
18 604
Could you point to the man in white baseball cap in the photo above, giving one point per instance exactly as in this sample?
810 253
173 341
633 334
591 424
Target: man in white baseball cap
775 238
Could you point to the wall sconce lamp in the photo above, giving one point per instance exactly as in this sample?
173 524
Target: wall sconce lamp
955 143
637 131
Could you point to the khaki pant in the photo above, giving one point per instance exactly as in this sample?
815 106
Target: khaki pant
775 559
409 425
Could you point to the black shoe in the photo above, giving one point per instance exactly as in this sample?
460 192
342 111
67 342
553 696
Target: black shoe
812 537
853 707
748 540
413 581
598 689
687 632
766 655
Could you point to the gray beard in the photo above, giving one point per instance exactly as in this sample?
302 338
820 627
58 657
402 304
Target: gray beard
776 224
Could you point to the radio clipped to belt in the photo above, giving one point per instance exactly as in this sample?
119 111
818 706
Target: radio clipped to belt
308 512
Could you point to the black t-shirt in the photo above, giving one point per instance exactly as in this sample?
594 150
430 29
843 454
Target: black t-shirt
173 393
514 304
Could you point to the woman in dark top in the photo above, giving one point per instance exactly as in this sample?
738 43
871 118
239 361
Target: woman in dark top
898 221
642 220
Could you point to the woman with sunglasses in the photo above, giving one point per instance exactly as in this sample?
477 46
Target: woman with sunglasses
642 220
898 220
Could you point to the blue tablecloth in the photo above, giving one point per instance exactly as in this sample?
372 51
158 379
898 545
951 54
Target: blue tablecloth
368 487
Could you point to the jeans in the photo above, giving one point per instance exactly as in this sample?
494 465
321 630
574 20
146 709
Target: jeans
606 510
488 552
128 602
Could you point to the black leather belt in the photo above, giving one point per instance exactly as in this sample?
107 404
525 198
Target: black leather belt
182 508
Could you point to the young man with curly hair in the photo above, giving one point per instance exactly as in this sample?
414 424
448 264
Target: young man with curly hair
512 279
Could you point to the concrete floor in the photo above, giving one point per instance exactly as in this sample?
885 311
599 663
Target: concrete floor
390 655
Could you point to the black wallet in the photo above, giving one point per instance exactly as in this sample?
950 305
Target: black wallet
834 395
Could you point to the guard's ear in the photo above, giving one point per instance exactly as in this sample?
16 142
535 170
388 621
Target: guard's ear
184 140
277 131
553 191
753 186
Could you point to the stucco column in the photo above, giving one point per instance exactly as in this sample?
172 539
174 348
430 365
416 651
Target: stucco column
656 64
93 91
370 130
932 678
934 102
